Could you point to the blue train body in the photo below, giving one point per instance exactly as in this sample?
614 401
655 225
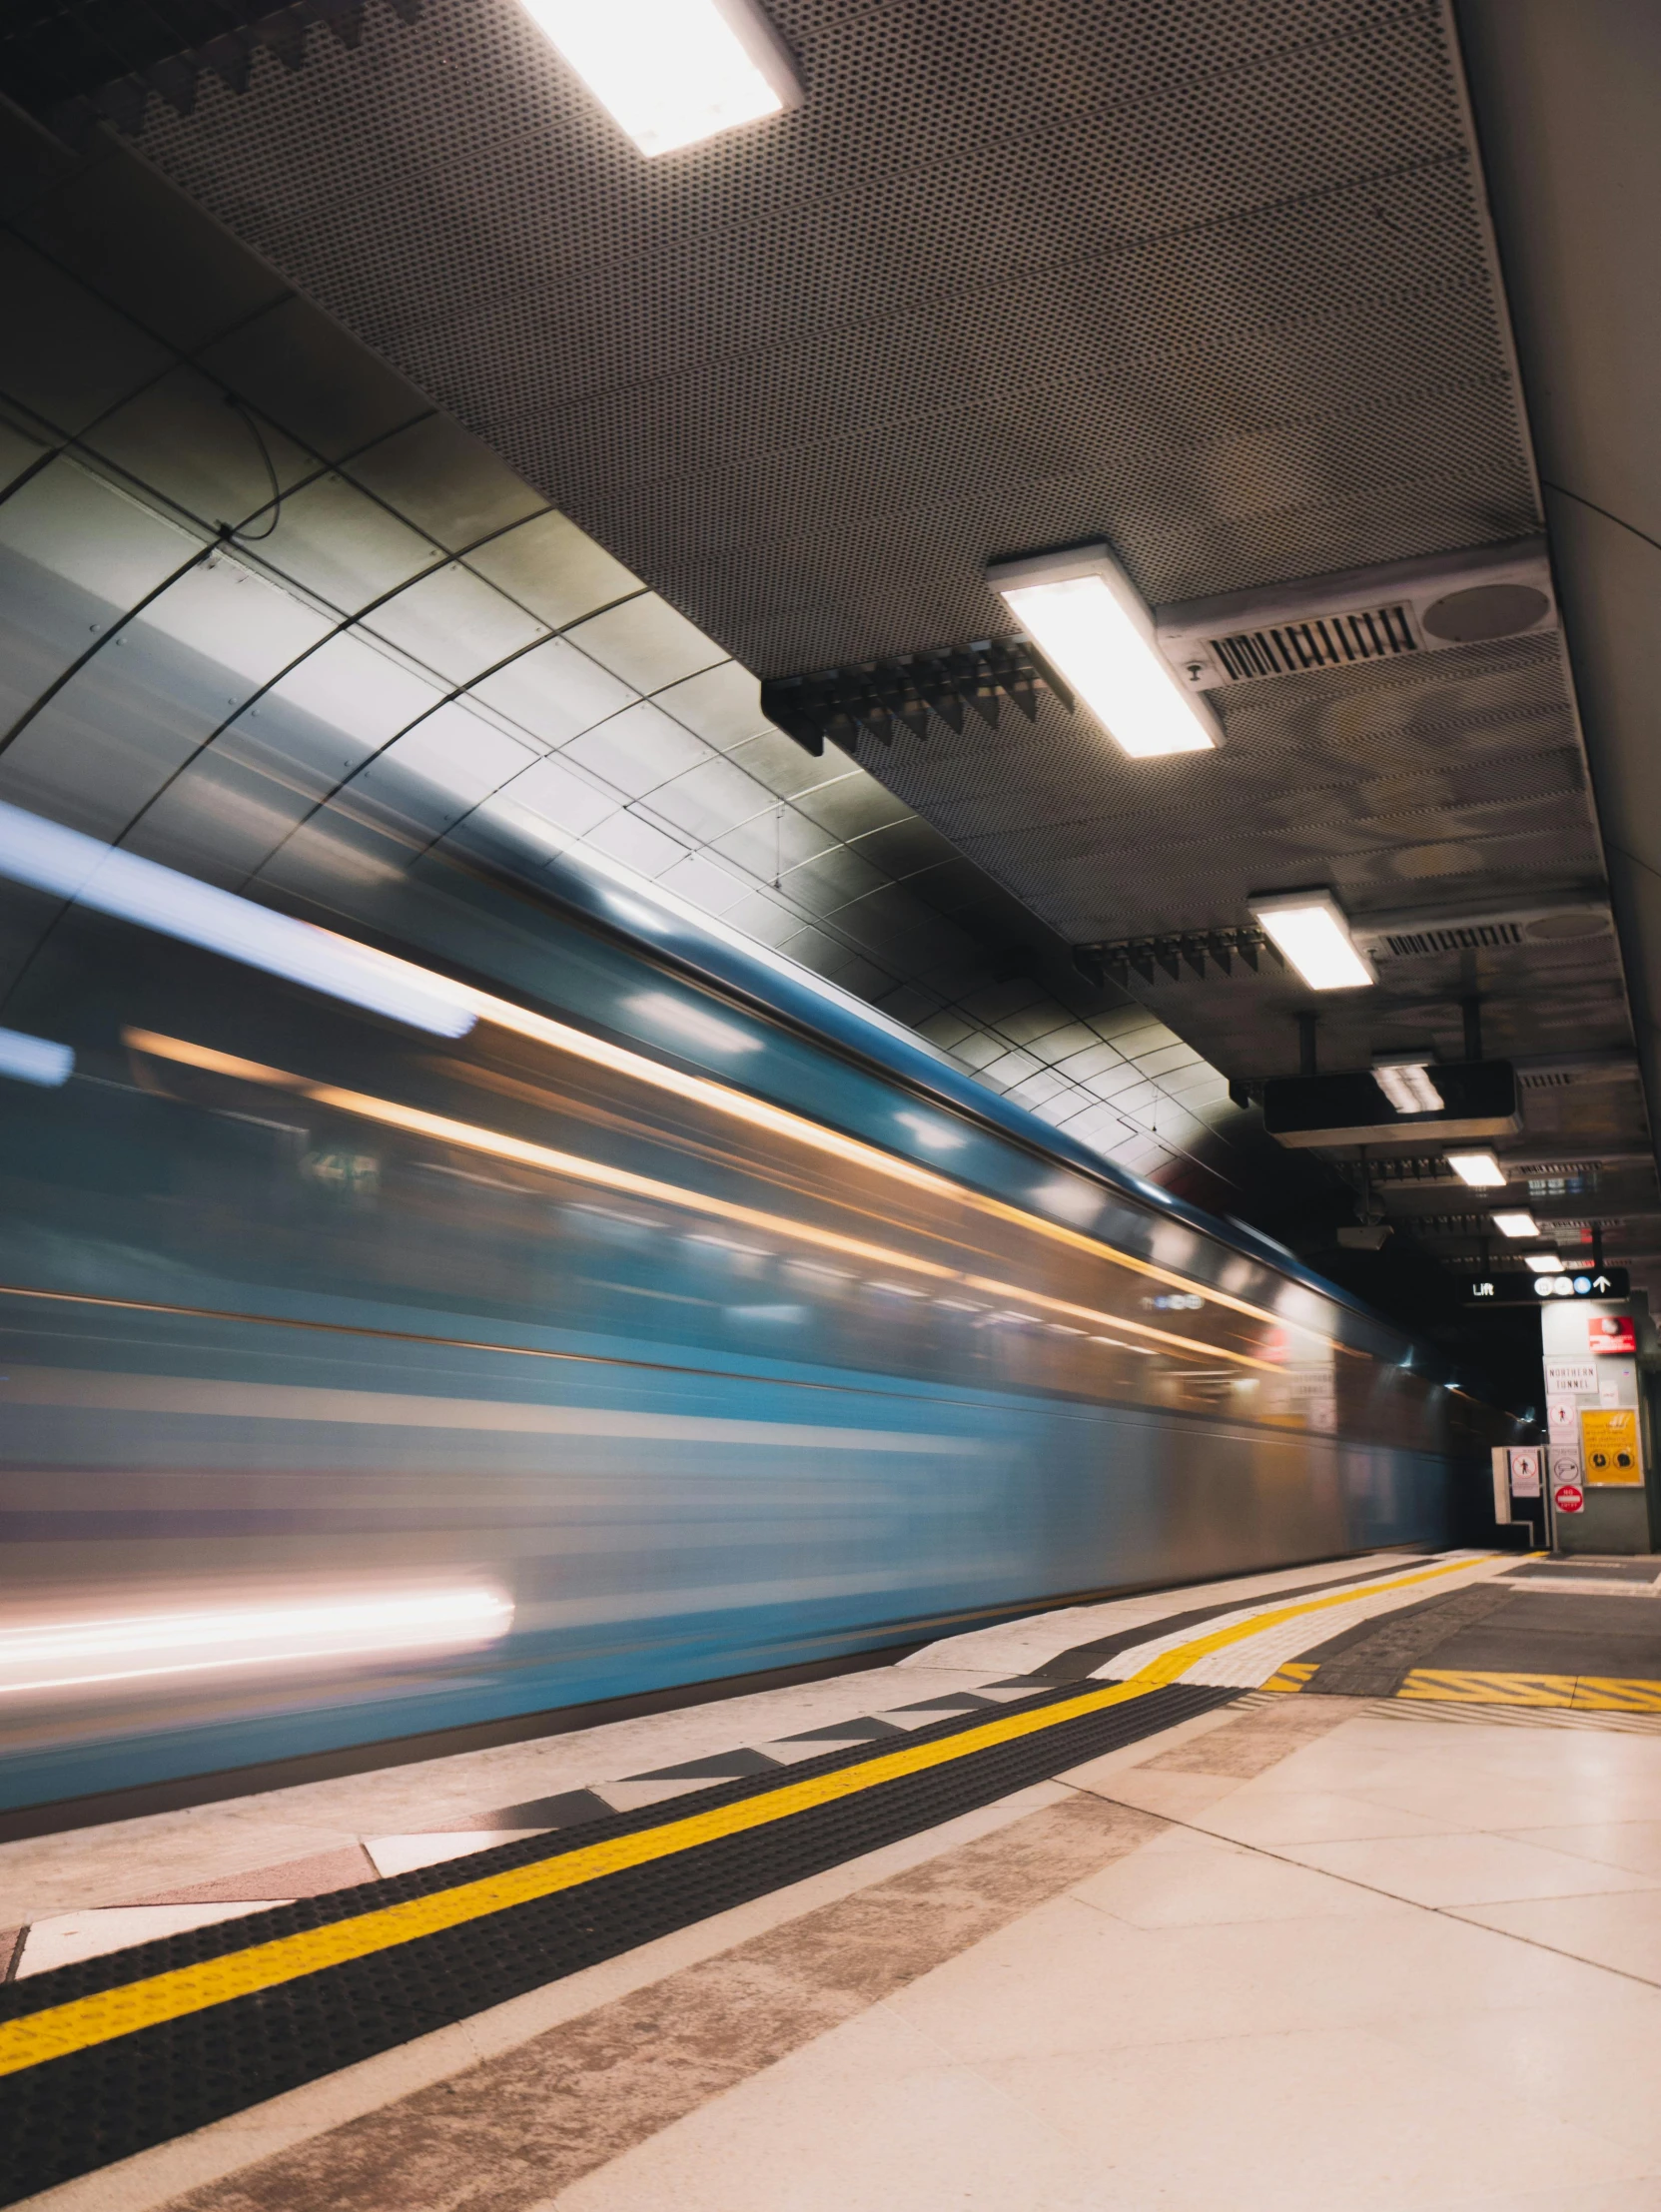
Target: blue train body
679 1320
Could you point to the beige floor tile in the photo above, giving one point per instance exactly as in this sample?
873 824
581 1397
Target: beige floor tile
1619 1931
1172 1797
1301 2123
1592 2067
1464 1869
1614 2196
1259 1813
401 1855
1632 1844
68 1936
1203 1886
1068 1978
112 1865
1503 1805
867 2119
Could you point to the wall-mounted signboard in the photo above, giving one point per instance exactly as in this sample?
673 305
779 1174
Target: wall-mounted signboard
1610 1443
1612 1332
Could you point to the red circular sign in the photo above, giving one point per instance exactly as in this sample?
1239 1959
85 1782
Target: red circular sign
1568 1497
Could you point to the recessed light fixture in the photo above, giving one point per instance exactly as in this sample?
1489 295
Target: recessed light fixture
1543 1264
1480 1169
672 72
1404 1079
1516 1224
1086 616
1308 927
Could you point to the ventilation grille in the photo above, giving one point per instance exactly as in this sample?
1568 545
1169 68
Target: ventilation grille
1552 1078
1332 641
1453 937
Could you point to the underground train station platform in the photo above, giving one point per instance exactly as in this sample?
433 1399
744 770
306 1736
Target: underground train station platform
1339 1884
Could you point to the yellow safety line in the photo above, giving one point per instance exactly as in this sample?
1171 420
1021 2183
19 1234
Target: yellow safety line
1582 1693
81 2022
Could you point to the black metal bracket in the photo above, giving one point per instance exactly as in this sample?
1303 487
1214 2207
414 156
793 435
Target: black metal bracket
872 698
1172 957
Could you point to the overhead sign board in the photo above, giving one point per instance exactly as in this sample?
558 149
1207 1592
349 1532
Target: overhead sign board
1576 1282
1479 1099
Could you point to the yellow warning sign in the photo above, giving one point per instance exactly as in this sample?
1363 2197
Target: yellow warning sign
1609 1437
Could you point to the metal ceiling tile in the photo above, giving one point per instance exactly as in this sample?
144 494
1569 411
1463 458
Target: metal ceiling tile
645 642
560 793
303 372
638 750
554 569
456 625
63 354
445 482
332 540
553 692
722 704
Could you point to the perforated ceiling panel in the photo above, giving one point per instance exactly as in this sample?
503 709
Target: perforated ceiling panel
1210 279
1206 279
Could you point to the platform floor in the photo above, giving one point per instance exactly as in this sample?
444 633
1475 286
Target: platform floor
1336 1942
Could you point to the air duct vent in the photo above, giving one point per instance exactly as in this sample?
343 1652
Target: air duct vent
1455 937
1364 614
1332 641
1393 940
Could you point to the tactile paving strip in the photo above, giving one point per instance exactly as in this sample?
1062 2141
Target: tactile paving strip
121 2086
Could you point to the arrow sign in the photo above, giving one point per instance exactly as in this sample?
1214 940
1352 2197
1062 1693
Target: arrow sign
1573 1282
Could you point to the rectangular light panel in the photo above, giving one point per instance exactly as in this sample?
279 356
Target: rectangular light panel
1087 618
1480 1169
1516 1224
672 72
1310 929
1407 1085
1543 1264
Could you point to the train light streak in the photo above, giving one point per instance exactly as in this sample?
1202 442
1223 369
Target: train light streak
471 1137
51 858
138 1646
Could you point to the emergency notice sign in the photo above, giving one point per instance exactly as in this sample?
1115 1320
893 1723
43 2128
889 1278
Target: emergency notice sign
1609 1444
1612 1332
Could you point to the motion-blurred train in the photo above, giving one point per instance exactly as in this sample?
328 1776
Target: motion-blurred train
446 1300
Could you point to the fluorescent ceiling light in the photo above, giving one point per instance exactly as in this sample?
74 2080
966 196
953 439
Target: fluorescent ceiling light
1308 927
1516 1224
1543 1264
1407 1085
50 858
1480 1169
1086 617
34 1059
672 72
